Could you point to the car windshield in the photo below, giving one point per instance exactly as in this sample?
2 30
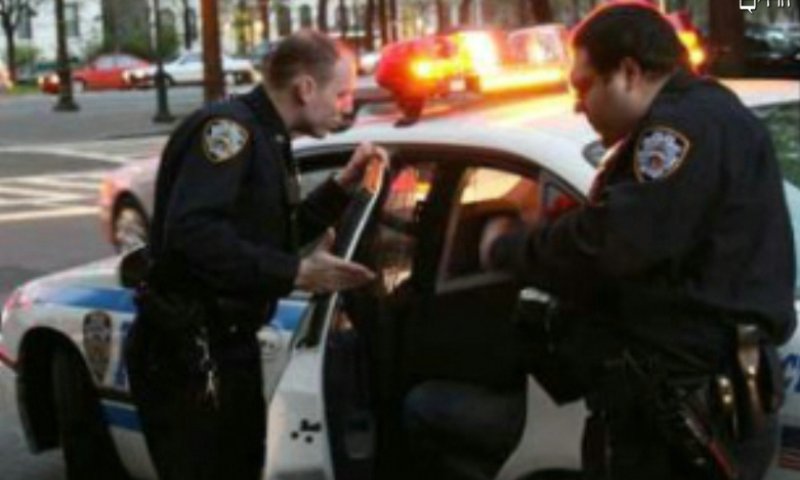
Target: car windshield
783 121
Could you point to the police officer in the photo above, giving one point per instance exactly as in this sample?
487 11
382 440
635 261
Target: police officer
224 248
677 272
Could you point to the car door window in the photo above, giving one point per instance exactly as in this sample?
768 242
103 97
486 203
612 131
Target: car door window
485 193
396 237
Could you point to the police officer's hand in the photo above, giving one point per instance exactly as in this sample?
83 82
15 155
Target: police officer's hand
323 272
494 229
353 172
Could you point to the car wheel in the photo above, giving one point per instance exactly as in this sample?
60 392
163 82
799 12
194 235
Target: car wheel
79 86
230 79
85 439
129 226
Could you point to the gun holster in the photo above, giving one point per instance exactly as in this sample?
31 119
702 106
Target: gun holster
757 381
537 316
169 313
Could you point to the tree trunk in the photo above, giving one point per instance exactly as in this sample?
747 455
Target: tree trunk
263 11
726 26
342 19
442 16
464 12
11 50
542 11
393 23
369 26
383 22
322 15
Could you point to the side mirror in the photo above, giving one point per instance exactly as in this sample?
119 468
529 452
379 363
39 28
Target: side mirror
133 267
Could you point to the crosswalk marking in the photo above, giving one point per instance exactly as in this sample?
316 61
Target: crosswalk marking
48 196
109 151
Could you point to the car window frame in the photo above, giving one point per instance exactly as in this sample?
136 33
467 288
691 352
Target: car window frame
505 162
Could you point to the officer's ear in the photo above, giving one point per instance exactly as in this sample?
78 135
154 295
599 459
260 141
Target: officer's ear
305 87
632 73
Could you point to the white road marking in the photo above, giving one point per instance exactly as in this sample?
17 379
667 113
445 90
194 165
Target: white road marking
43 214
36 197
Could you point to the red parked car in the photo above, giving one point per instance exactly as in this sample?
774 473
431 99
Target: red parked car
104 72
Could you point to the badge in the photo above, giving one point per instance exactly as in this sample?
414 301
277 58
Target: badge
223 139
97 342
659 153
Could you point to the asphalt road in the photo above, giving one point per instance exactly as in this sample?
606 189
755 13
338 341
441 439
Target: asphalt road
49 178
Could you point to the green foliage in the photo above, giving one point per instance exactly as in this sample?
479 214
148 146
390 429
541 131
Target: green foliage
138 43
26 55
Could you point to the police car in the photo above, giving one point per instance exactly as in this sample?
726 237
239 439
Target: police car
338 366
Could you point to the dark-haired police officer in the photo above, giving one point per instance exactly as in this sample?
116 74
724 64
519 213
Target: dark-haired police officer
224 247
678 274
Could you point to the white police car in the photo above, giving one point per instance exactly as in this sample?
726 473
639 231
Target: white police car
337 368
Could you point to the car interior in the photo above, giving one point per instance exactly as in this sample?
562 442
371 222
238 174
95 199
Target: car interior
434 312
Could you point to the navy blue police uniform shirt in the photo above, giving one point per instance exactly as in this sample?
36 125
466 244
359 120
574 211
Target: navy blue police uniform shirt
227 217
687 222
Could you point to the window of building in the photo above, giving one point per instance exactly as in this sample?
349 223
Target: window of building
72 19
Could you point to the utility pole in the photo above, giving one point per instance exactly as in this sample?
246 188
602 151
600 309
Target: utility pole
66 102
162 107
213 86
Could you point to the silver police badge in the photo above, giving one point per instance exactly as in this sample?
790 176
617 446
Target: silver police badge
223 139
97 342
659 153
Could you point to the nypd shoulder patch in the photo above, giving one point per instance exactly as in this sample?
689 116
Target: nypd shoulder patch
223 139
660 152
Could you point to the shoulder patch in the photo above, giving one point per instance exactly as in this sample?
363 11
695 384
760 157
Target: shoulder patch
660 151
223 139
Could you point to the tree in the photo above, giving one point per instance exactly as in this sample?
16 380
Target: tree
11 13
542 11
383 21
322 15
442 16
464 11
369 26
726 28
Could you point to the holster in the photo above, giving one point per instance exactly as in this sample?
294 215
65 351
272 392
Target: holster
169 313
757 380
537 317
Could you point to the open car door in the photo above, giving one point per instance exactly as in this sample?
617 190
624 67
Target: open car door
297 439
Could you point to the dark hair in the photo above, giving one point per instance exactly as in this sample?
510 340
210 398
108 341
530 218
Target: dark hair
635 30
305 52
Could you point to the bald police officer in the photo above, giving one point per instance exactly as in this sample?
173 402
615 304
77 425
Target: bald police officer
224 247
678 270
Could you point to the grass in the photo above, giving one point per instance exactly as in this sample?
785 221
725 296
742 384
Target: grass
24 90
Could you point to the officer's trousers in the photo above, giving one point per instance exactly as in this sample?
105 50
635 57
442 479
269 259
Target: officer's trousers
188 435
462 431
629 446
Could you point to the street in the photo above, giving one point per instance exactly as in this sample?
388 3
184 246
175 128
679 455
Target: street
51 165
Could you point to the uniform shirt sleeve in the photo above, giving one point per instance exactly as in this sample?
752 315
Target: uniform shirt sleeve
321 208
200 226
637 223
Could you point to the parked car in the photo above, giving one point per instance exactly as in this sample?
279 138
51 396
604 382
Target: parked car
771 51
5 78
105 72
338 366
187 69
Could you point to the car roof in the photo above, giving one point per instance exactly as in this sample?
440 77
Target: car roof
541 128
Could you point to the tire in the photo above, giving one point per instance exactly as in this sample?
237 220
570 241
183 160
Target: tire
129 226
230 79
85 440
